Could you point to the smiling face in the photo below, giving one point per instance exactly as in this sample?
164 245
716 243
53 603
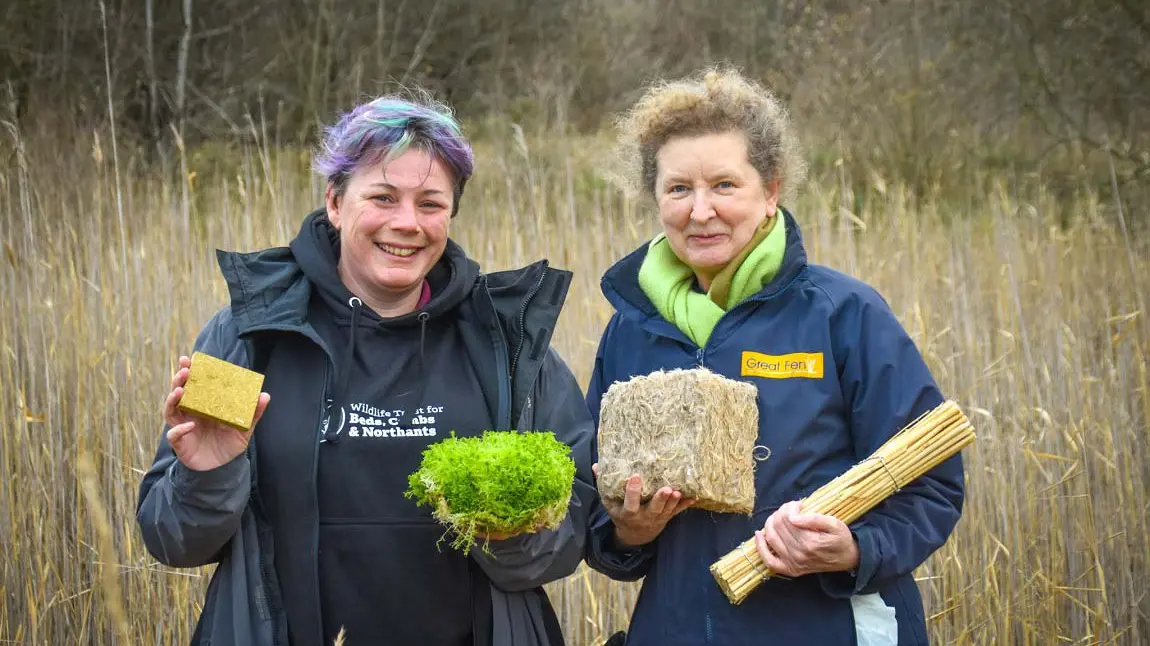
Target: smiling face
711 200
393 221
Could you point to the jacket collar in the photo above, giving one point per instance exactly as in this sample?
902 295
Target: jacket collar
525 304
268 289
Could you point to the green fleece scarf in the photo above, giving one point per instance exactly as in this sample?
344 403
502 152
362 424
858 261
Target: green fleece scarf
669 282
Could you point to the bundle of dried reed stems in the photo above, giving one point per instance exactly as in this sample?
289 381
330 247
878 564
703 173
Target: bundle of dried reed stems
921 446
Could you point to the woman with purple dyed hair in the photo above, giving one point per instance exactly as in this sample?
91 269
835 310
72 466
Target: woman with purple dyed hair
378 336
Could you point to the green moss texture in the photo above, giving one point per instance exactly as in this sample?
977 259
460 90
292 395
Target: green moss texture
504 482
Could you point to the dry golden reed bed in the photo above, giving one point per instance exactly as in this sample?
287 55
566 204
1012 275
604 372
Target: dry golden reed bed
1039 331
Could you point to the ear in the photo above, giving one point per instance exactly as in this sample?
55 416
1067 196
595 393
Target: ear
772 189
333 201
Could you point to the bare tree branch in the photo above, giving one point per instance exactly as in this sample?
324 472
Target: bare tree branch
182 63
424 41
231 25
150 65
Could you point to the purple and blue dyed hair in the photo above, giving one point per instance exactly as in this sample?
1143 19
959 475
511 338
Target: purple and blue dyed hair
387 127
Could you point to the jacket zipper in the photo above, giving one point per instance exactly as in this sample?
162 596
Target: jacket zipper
324 411
700 355
522 321
268 596
273 609
263 557
500 347
324 407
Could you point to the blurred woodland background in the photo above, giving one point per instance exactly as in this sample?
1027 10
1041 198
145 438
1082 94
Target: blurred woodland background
984 164
919 88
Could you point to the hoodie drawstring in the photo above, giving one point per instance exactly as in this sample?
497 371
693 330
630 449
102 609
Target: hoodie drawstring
334 427
423 317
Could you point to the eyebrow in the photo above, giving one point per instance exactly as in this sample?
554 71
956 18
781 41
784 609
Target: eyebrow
724 172
671 178
392 187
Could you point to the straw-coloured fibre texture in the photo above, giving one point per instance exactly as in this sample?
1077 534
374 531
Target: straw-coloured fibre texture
222 391
692 430
911 453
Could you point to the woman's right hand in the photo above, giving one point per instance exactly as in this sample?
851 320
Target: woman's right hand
203 444
636 523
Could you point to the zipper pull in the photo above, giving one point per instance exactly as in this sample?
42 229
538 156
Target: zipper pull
326 421
699 357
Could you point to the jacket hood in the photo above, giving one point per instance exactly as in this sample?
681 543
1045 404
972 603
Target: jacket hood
620 284
271 291
317 250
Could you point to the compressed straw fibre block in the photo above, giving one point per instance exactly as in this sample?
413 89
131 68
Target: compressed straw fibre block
692 430
221 391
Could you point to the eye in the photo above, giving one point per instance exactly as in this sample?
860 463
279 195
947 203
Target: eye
725 184
386 199
677 188
432 205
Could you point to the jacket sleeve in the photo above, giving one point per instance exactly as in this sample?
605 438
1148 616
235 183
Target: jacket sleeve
530 560
603 553
886 386
187 517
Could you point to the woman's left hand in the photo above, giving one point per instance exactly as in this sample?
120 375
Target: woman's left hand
792 543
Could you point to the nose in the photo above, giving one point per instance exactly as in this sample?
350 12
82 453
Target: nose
701 208
404 217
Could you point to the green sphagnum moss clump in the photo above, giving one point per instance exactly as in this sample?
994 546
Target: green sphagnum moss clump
503 482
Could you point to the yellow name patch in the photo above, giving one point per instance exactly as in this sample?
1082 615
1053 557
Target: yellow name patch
798 365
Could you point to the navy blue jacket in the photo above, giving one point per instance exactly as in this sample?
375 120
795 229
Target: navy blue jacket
873 382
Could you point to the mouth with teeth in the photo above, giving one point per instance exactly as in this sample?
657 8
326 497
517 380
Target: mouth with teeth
401 252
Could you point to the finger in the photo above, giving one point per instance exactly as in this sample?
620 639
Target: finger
180 377
261 406
661 500
786 531
773 562
671 504
171 406
778 543
684 505
633 498
817 523
185 361
595 470
176 434
790 509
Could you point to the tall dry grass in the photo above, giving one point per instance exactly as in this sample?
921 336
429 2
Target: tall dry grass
1039 331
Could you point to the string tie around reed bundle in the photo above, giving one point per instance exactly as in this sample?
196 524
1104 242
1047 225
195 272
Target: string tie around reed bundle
925 443
759 566
882 462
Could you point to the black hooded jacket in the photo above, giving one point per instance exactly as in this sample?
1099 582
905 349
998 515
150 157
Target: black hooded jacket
310 526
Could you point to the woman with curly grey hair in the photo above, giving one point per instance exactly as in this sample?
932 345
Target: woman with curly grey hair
726 286
378 336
